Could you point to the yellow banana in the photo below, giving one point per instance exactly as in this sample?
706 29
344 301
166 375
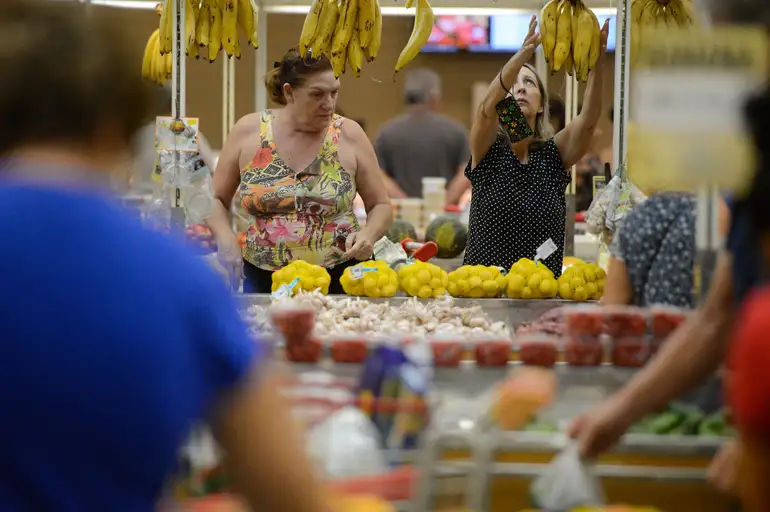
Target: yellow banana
345 26
229 26
356 53
166 63
203 28
366 18
150 49
166 27
547 28
196 8
587 29
409 4
326 26
569 64
339 61
578 57
679 14
688 12
215 33
189 27
246 20
596 42
237 49
561 51
373 49
311 26
423 26
254 36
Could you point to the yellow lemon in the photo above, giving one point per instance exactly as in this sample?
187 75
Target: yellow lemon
485 275
591 289
579 294
389 290
548 288
461 272
452 289
526 293
489 286
424 292
516 282
534 281
565 291
463 287
474 282
476 293
439 292
502 281
423 276
435 283
435 271
577 282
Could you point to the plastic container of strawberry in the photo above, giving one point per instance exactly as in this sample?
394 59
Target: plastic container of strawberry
625 321
664 320
630 351
292 321
538 349
583 321
583 350
447 350
348 348
303 349
491 351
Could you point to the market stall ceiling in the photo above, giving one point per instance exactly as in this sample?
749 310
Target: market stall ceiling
392 7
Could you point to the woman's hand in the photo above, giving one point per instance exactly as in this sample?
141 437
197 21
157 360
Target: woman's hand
723 470
603 40
231 258
532 41
359 246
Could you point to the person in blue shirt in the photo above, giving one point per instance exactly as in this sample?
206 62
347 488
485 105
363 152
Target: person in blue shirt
116 341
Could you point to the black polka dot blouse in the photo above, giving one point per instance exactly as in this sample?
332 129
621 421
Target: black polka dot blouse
515 207
657 243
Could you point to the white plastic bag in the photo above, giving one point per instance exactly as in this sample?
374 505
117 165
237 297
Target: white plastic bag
346 445
597 212
567 483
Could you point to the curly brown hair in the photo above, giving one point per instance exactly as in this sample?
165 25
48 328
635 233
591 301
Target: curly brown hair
47 97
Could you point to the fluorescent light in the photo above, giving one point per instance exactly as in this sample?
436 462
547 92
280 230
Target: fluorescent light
387 11
126 4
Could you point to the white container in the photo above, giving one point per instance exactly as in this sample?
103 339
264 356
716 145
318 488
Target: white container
410 210
433 186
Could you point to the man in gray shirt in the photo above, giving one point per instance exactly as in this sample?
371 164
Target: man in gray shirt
422 143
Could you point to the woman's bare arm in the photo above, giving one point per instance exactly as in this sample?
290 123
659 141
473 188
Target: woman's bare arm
371 186
264 452
227 177
485 122
575 139
617 287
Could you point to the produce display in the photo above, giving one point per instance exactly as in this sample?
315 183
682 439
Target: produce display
370 279
648 15
530 280
423 280
685 420
581 282
350 32
571 37
400 230
521 396
476 281
449 234
301 275
411 318
210 26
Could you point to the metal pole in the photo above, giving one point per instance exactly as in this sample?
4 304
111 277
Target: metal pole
261 66
178 100
622 72
570 112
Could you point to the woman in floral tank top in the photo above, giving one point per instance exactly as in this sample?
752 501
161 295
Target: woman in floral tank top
296 171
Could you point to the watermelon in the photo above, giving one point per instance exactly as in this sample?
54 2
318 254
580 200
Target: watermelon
400 230
449 234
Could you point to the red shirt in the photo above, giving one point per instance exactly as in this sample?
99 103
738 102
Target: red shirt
748 390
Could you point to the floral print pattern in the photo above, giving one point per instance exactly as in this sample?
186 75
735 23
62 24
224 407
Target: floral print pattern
305 215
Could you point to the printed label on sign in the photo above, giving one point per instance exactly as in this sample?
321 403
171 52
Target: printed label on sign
688 91
545 250
358 272
284 290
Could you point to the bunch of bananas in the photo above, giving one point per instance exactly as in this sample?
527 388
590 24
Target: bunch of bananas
309 277
350 32
209 27
370 279
156 67
652 14
582 282
423 280
476 281
530 280
571 37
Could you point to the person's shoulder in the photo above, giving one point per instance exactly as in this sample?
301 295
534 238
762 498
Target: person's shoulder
393 126
451 124
250 122
350 129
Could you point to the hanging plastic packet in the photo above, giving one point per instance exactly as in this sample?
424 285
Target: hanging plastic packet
567 483
416 374
391 253
545 250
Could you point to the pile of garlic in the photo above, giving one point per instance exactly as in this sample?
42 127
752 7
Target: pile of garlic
409 318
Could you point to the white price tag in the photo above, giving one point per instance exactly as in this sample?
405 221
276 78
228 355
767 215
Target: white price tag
358 272
285 289
545 250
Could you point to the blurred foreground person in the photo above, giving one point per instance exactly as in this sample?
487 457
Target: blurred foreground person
116 340
700 346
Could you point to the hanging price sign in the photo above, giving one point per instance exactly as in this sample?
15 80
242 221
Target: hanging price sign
686 114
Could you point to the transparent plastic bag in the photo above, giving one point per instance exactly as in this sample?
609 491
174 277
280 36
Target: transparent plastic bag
567 483
597 212
347 444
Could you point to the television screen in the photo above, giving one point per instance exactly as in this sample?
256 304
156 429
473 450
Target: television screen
453 33
507 31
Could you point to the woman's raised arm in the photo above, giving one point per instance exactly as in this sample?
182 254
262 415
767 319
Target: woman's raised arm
485 122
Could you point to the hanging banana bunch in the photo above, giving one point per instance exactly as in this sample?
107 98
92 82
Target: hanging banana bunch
571 37
349 32
647 15
156 67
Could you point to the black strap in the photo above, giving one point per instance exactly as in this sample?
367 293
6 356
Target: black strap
500 76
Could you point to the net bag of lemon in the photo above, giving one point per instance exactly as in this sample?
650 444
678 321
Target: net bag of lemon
301 275
477 281
370 279
423 280
531 280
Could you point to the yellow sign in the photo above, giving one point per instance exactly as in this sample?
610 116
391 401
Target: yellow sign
686 116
